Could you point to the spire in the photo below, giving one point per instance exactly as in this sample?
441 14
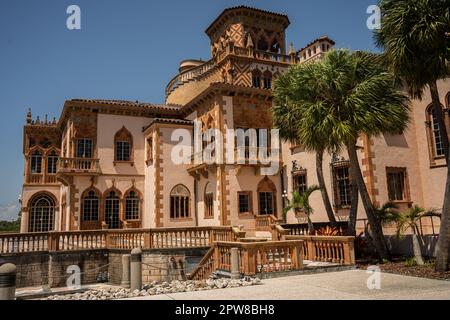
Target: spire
291 49
250 43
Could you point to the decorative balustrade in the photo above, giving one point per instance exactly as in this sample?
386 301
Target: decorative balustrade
26 242
301 229
254 258
265 223
78 166
194 237
338 250
190 74
36 178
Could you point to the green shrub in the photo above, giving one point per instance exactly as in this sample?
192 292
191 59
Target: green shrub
410 262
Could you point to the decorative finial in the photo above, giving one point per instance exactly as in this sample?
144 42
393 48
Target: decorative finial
29 116
45 119
291 49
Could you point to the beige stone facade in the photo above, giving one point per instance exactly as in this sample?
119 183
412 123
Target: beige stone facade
110 164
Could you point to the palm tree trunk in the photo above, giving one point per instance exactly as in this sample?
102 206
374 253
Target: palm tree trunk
416 247
377 231
310 226
323 189
353 210
443 245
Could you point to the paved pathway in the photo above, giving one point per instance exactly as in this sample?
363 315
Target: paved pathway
345 285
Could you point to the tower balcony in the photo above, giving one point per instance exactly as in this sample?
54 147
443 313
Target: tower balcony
78 166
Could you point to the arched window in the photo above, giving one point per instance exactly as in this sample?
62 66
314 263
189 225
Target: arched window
112 210
132 206
209 201
267 197
179 203
263 45
435 134
256 79
267 80
91 206
52 160
275 47
36 162
42 212
123 143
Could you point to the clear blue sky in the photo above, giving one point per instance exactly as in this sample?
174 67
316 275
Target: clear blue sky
126 49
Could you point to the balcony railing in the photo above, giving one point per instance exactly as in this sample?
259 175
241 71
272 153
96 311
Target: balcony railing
205 68
78 166
41 178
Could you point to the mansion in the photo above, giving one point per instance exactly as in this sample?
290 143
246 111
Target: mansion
109 164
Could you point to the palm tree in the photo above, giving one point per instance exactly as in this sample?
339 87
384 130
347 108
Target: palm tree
410 220
414 36
294 92
358 96
301 202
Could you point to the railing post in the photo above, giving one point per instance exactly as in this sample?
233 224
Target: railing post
298 251
126 271
8 273
148 240
311 248
235 272
52 241
136 269
349 251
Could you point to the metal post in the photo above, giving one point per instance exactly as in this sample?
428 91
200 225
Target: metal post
8 273
136 269
125 271
235 272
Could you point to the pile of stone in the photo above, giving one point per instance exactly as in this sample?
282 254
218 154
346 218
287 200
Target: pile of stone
157 288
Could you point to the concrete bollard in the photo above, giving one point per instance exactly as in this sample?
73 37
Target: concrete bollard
8 273
136 269
126 271
235 272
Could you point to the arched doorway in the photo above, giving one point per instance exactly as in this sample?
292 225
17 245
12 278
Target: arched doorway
42 214
267 197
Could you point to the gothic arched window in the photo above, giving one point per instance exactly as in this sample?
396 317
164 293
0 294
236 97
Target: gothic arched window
209 201
267 80
112 210
256 79
123 145
91 206
36 162
132 206
52 160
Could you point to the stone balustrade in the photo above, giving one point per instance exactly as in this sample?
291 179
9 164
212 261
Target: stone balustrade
194 237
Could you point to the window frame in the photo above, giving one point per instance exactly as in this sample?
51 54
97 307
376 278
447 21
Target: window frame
406 198
132 203
180 205
339 203
247 194
82 144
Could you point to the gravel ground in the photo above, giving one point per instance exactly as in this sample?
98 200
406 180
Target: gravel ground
156 288
398 267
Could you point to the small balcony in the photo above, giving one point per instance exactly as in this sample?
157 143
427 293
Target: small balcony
79 166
